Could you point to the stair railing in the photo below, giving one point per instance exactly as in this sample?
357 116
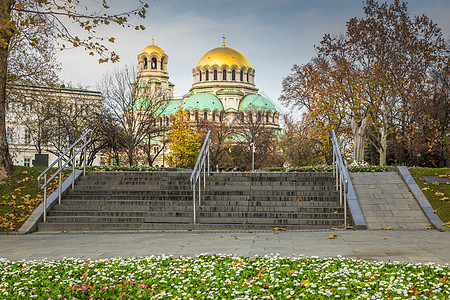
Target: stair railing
202 165
85 140
340 172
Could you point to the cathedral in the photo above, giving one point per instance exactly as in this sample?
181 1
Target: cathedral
223 87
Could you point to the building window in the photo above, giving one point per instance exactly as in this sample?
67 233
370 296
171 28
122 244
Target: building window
242 76
160 122
250 117
242 116
196 116
200 75
155 150
233 75
27 162
167 121
207 75
273 118
224 75
153 63
214 116
247 75
162 63
145 63
10 135
215 74
221 115
267 118
27 139
205 116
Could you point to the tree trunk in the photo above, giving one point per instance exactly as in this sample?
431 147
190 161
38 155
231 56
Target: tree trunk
359 136
382 150
6 165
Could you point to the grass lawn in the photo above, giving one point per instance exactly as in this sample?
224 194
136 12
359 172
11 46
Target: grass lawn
437 194
221 277
20 196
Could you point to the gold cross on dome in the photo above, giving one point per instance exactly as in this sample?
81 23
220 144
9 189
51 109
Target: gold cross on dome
153 41
224 38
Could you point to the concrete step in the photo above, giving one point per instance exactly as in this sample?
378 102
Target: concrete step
80 227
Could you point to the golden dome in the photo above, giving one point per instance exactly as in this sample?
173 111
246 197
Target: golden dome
153 49
223 56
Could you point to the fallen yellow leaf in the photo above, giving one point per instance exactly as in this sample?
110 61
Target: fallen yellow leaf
406 197
331 237
305 282
444 199
425 189
334 228
372 187
385 237
430 227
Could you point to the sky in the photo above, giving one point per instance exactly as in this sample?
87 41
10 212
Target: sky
273 35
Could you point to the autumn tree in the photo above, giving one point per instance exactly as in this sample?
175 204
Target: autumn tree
183 141
221 133
134 107
250 129
17 15
371 76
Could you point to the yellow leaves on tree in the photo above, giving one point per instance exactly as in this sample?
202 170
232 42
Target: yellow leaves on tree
184 142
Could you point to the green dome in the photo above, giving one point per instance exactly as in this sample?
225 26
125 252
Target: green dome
229 92
255 103
170 107
188 94
141 84
203 101
155 80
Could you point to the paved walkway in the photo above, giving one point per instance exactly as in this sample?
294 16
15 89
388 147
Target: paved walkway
385 201
418 246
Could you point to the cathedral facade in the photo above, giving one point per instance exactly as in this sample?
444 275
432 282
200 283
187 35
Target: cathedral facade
223 87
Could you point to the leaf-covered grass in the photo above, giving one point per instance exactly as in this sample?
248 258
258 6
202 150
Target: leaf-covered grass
221 277
20 196
437 194
119 168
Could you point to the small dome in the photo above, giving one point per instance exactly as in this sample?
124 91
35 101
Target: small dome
223 56
153 49
203 101
168 108
229 92
255 103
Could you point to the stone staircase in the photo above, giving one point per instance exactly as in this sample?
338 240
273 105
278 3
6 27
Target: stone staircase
163 201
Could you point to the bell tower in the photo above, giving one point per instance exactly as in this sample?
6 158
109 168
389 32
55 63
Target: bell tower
152 73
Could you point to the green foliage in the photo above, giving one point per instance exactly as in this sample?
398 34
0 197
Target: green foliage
184 142
437 194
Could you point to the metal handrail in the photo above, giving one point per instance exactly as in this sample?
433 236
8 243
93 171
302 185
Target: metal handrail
203 157
86 140
341 174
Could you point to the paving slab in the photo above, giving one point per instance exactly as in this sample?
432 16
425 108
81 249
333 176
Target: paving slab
416 246
385 201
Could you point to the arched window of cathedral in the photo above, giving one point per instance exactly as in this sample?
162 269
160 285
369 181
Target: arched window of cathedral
205 116
250 117
242 75
207 75
145 63
167 121
221 115
215 74
153 63
160 122
242 116
162 63
214 116
247 74
200 75
267 117
273 118
258 118
196 116
224 75
233 75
